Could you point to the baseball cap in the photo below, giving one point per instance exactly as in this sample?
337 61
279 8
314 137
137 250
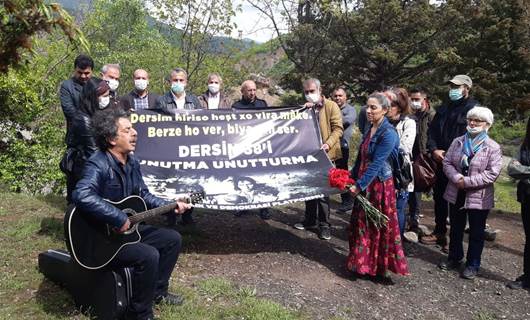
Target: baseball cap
461 79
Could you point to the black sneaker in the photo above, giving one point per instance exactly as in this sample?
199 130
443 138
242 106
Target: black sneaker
325 233
449 265
304 226
264 214
470 273
345 207
170 298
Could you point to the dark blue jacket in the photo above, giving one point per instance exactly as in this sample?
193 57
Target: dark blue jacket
443 130
167 104
105 178
383 147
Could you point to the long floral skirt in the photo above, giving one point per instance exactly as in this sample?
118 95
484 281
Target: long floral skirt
373 251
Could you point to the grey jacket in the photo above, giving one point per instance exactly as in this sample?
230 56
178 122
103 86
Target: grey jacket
520 169
349 115
167 104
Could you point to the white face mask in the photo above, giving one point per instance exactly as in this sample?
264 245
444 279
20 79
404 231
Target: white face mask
104 102
416 105
141 84
312 97
214 88
475 130
113 84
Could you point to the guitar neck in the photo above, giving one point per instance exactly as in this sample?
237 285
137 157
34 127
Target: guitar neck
139 217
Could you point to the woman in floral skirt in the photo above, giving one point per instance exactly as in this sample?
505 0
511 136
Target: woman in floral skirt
375 251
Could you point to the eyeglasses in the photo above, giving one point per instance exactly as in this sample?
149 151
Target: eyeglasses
475 120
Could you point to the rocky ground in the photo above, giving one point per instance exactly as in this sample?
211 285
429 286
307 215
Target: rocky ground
300 271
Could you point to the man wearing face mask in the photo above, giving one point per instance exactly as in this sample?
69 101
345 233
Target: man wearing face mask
177 98
71 90
140 98
329 119
448 124
248 97
111 74
214 98
423 115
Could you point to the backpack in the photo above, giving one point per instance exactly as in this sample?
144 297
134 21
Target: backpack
401 167
401 170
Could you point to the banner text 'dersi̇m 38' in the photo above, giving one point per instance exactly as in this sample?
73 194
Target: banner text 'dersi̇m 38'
240 159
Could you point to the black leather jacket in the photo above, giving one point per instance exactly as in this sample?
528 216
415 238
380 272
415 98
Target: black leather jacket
81 145
69 95
106 178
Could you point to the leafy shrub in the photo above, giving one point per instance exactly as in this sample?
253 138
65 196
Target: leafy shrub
32 166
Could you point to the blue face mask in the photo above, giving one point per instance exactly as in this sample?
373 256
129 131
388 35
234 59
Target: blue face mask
455 94
177 87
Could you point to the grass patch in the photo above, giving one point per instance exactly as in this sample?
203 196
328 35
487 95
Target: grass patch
505 196
34 224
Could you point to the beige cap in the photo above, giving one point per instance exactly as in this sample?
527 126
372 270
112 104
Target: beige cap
461 79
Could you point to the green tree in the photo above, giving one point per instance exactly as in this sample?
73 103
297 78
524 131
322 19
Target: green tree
368 44
21 20
196 24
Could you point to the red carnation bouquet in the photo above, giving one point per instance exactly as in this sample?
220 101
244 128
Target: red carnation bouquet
340 178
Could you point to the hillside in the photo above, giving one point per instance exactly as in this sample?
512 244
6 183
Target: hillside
218 44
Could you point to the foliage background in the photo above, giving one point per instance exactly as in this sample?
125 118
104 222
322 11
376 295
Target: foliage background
362 45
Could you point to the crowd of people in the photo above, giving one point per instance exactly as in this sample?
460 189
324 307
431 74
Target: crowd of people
398 128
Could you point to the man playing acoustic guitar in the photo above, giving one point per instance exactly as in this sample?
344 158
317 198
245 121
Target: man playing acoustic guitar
113 173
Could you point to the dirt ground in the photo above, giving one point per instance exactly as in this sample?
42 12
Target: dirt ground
300 271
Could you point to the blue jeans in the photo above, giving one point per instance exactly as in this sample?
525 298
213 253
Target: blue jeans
477 224
402 199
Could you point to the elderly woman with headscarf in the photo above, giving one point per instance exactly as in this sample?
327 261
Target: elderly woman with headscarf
472 164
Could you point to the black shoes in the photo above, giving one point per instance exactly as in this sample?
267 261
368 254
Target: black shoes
304 226
325 233
171 299
519 283
449 265
264 214
345 207
469 273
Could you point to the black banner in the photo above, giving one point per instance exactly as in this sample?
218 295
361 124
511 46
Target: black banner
241 159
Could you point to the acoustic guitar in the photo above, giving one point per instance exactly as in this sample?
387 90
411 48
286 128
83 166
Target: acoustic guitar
94 244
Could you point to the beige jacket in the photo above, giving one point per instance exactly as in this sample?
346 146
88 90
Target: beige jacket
330 121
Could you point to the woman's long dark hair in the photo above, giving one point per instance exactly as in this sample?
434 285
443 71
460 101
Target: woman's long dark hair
88 101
